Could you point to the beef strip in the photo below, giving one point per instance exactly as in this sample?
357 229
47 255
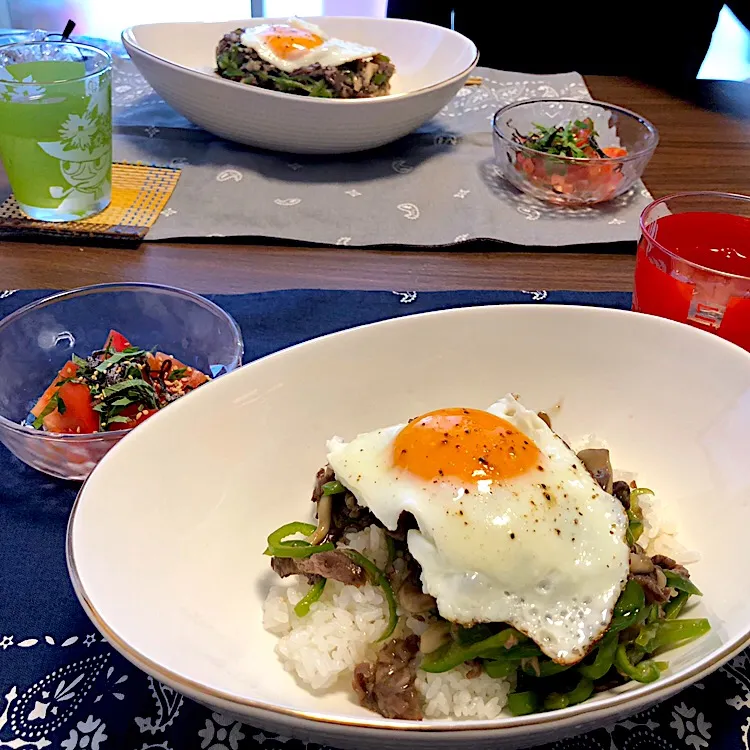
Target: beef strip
654 592
388 685
323 476
622 492
335 564
667 563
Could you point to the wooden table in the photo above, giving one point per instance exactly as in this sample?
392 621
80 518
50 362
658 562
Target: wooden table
699 150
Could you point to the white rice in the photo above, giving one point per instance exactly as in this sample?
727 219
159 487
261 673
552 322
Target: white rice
452 695
342 627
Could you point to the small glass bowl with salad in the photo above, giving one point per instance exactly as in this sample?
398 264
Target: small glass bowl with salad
571 151
81 369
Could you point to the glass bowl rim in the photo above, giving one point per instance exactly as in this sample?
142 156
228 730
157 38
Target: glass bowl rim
59 42
133 286
646 151
672 254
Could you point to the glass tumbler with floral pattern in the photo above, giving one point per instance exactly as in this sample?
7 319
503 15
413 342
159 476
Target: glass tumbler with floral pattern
56 128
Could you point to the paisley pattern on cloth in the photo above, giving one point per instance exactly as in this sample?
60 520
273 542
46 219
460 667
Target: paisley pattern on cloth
63 686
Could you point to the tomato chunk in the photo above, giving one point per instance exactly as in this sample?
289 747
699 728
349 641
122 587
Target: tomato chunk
191 378
69 370
116 341
77 415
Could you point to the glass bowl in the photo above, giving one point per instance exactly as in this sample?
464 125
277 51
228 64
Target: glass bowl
37 340
564 179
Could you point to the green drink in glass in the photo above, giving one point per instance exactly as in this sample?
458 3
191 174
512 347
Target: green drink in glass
56 128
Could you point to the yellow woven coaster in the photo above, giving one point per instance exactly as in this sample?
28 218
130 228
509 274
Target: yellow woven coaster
139 195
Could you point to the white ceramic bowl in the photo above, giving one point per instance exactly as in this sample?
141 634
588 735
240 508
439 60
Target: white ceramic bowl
174 577
178 60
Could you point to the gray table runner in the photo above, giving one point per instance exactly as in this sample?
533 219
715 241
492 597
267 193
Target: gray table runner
437 187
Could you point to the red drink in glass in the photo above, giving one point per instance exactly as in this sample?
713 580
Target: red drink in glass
693 263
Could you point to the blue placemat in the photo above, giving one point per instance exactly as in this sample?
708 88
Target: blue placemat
62 686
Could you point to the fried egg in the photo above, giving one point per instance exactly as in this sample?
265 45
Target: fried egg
297 44
511 526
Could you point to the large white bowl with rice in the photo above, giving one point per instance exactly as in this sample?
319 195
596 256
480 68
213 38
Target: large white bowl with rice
175 577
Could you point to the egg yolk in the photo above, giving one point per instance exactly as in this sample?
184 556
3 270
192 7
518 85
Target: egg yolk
288 42
467 444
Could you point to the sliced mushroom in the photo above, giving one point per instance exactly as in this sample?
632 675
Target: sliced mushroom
325 507
641 564
436 634
413 600
545 418
370 69
596 460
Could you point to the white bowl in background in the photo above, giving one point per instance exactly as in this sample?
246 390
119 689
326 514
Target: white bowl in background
179 61
174 576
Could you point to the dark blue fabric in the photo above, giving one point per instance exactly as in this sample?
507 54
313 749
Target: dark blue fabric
62 684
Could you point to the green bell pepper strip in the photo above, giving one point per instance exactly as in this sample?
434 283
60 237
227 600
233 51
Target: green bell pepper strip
452 654
635 515
520 704
521 651
676 581
499 669
467 636
644 671
672 632
279 546
674 607
605 656
634 530
581 692
547 668
390 545
302 607
380 578
333 488
645 636
629 606
635 493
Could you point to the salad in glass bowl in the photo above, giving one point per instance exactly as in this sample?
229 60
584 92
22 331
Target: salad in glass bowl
572 152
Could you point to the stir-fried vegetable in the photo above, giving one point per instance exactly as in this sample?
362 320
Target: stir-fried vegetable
636 632
280 546
302 607
380 578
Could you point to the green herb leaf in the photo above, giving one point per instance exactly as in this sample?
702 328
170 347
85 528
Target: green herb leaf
52 404
118 419
178 373
121 402
76 360
128 354
125 385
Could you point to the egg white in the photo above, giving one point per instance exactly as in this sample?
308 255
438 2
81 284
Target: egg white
332 51
544 551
